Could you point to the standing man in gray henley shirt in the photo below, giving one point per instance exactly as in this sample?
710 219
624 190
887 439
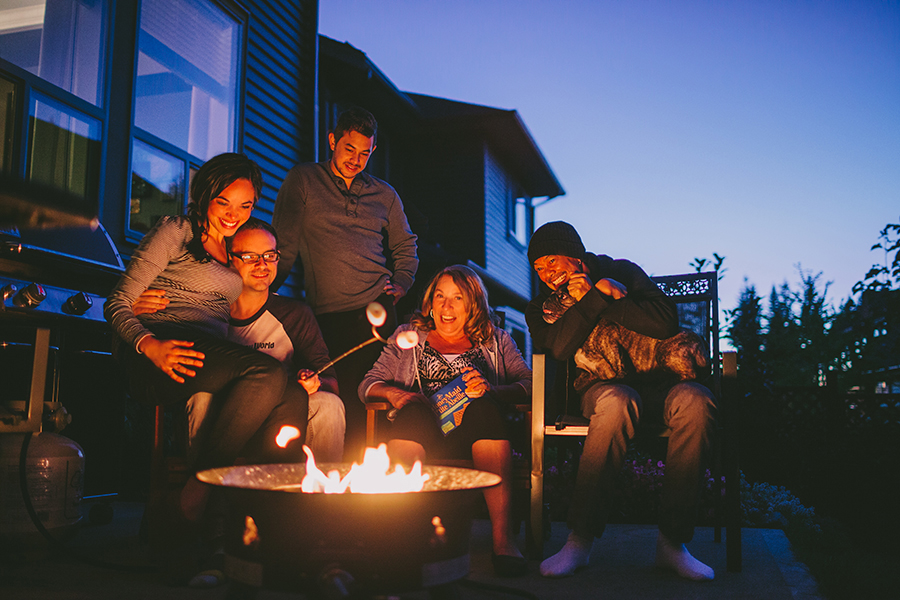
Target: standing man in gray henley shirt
348 228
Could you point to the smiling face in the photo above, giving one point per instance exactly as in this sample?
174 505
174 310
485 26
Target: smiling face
450 308
350 154
259 275
230 209
555 270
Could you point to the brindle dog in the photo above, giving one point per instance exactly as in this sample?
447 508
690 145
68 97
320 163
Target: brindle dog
612 351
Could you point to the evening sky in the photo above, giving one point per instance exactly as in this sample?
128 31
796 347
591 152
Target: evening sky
764 131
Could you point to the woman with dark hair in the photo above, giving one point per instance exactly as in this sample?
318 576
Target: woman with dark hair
172 354
457 336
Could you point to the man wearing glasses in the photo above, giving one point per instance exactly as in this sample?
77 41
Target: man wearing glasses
281 327
286 329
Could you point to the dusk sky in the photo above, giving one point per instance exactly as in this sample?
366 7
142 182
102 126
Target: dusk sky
764 131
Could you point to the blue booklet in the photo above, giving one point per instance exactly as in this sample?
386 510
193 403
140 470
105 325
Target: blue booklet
449 403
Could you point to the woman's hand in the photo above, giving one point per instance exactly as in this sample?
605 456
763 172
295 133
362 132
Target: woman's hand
172 357
400 398
309 380
149 302
476 385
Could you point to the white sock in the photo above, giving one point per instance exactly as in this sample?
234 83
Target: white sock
670 555
576 553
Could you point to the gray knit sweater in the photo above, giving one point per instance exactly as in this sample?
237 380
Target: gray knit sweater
400 367
200 293
344 237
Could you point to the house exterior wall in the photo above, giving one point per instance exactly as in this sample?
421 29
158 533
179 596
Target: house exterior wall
280 91
505 258
274 110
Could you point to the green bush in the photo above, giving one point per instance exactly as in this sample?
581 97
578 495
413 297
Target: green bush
774 507
638 491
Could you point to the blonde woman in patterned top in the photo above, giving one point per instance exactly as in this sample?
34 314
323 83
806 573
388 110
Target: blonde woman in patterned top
457 336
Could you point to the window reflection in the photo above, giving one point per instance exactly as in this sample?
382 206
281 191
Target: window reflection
64 148
7 121
186 85
157 186
60 41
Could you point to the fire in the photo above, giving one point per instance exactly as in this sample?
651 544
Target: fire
371 477
286 435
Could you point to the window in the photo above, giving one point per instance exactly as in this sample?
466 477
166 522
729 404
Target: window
519 209
55 68
64 148
186 102
186 88
60 41
157 186
8 99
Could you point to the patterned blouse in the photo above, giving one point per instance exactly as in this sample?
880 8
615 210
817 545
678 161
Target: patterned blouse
435 371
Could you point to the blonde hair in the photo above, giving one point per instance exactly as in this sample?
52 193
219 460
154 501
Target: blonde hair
480 320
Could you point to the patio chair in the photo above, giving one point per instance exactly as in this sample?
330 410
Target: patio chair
696 296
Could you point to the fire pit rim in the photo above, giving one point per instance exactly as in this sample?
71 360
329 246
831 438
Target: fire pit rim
277 476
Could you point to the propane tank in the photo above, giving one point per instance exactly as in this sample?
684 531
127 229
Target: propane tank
55 481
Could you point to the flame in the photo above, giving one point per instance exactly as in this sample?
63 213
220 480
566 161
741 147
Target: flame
407 339
286 435
371 477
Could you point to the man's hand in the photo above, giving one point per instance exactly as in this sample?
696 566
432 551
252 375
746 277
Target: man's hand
394 290
172 357
611 288
150 301
309 380
578 285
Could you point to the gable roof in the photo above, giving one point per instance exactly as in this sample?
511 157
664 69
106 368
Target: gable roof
505 132
502 129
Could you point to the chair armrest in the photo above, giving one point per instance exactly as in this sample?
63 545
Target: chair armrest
378 405
729 364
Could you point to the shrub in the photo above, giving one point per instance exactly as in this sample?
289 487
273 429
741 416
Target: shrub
773 506
637 495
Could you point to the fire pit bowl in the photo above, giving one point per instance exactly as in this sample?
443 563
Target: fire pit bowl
279 537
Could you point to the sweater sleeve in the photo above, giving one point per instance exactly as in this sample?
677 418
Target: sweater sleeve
392 367
310 350
646 310
514 365
157 249
402 245
287 221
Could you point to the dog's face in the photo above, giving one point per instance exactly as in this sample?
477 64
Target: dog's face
556 304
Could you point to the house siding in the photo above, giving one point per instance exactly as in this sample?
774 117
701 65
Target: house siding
506 259
280 91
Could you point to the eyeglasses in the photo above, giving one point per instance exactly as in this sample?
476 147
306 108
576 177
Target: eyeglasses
253 258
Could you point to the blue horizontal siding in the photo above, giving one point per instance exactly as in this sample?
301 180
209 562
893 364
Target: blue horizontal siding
506 259
279 102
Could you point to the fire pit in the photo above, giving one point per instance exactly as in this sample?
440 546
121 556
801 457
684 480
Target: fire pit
280 537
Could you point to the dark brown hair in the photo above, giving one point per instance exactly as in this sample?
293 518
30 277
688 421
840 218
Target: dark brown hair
215 175
356 119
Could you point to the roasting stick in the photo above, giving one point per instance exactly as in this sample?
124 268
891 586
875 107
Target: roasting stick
376 316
